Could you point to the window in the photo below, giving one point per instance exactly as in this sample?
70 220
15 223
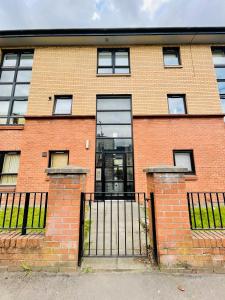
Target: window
219 63
177 104
63 105
9 165
184 159
15 77
113 61
171 56
58 159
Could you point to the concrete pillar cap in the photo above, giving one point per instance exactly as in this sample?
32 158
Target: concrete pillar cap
165 169
67 170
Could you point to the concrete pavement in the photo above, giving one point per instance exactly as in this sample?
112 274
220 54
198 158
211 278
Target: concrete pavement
107 286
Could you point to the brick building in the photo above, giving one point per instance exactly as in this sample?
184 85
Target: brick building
114 101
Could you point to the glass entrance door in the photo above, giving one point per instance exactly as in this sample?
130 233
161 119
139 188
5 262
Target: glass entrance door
114 173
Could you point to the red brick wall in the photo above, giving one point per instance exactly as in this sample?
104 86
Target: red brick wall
154 141
43 135
156 138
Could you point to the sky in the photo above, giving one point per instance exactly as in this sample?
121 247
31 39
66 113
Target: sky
31 14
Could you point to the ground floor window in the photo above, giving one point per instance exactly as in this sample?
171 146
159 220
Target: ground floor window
58 159
114 145
184 159
9 166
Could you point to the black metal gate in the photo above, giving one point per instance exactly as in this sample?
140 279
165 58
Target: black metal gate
114 227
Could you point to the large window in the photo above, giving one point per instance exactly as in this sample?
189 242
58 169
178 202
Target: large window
219 63
9 165
62 105
177 104
171 56
184 159
113 61
58 159
15 77
114 145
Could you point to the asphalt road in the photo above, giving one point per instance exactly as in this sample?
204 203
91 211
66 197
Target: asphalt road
107 286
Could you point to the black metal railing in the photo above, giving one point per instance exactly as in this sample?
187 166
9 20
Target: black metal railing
206 210
23 212
112 226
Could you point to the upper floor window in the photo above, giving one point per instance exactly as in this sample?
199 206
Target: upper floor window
58 159
219 63
113 61
171 56
62 105
15 77
184 159
9 165
177 104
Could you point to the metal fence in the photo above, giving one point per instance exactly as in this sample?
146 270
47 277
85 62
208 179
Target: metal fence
206 210
113 226
23 212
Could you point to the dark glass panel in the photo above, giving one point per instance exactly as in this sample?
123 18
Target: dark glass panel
7 76
113 118
130 175
22 90
5 90
9 60
113 104
114 187
19 107
115 131
26 60
24 76
114 144
98 160
221 86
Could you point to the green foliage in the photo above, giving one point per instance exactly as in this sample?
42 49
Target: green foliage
203 219
17 218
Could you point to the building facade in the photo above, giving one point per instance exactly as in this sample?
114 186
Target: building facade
115 102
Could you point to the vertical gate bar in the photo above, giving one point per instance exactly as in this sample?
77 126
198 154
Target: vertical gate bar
5 211
146 234
111 225
34 206
125 227
139 221
11 215
212 207
218 203
89 237
25 214
207 211
200 209
96 250
46 207
18 211
189 209
152 203
118 228
81 230
132 226
40 208
104 230
193 209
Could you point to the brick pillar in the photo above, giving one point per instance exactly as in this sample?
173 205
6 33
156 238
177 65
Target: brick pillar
173 233
63 217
